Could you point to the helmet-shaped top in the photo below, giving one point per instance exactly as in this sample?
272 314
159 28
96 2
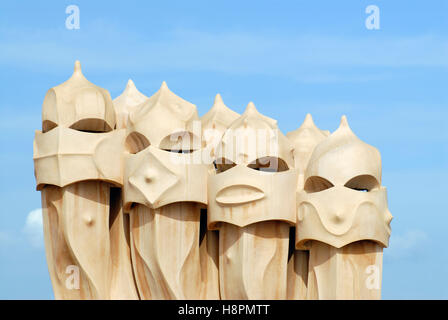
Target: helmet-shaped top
304 140
214 123
126 103
252 137
78 104
164 119
219 117
343 156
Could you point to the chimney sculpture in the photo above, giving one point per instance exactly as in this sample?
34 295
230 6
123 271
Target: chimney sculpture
164 188
126 103
142 199
252 204
77 159
214 123
343 219
304 139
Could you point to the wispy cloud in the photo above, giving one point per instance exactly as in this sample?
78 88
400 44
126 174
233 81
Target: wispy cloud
308 58
406 245
34 229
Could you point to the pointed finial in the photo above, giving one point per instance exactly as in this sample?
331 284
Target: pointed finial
164 85
130 84
344 122
344 128
131 94
251 109
218 104
308 122
219 115
218 99
77 69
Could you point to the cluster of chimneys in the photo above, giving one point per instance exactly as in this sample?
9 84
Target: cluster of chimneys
132 213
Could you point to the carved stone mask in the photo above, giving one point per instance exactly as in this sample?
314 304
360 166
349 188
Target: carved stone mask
64 152
163 161
254 163
343 200
63 156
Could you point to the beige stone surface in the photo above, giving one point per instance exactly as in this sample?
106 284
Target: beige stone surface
343 218
163 189
304 140
142 199
78 104
252 204
77 159
214 123
126 103
343 200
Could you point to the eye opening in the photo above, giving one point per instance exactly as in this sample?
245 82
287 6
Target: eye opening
180 142
223 164
136 142
178 150
48 125
363 183
269 164
317 184
91 125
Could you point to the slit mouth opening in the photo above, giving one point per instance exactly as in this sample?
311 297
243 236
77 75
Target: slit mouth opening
178 150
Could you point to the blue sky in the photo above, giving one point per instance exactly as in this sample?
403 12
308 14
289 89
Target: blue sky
288 57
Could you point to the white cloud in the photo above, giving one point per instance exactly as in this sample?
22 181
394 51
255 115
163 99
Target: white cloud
305 57
34 228
408 240
406 245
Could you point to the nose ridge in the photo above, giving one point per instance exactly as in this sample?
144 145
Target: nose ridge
389 217
338 216
150 175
